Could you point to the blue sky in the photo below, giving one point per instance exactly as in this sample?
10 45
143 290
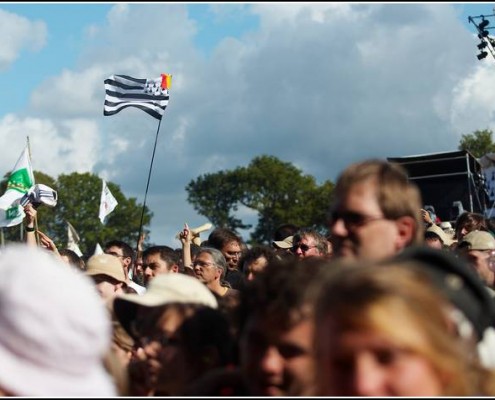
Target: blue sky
344 81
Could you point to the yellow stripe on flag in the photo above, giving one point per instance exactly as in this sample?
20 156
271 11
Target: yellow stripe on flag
166 81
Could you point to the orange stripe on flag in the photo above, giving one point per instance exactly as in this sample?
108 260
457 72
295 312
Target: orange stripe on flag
166 81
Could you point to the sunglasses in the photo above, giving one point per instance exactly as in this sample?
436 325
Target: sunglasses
352 219
304 247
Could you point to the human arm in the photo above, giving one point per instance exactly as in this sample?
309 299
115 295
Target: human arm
30 224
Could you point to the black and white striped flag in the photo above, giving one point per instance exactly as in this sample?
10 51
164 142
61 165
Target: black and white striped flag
149 95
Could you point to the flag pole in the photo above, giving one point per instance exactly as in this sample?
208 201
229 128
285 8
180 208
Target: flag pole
147 186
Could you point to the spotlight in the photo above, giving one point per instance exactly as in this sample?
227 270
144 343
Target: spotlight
482 45
482 27
482 55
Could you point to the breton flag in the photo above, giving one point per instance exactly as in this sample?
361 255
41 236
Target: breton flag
107 202
20 181
73 240
149 95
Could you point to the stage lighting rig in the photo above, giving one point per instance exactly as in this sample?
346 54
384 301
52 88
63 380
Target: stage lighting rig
486 45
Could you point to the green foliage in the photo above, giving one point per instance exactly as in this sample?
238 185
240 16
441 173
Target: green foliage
79 203
478 143
278 191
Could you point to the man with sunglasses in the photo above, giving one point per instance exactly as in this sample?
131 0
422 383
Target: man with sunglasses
309 243
376 211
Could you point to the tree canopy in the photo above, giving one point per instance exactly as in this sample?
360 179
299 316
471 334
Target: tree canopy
478 143
278 191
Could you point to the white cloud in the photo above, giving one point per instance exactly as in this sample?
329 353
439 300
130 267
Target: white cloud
18 34
64 147
318 85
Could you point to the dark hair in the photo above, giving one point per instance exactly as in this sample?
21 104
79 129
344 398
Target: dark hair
208 328
471 222
74 259
167 254
283 231
256 252
279 291
220 237
126 249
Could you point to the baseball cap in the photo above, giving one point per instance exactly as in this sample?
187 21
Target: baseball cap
478 240
163 289
284 244
105 264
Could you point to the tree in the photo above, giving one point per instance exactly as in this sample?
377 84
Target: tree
216 196
78 203
277 190
478 143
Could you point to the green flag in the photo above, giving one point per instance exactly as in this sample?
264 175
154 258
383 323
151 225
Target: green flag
20 181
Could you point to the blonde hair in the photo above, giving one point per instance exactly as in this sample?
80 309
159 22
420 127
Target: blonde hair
401 303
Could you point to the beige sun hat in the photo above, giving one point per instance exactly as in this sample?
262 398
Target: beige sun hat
446 239
105 264
284 244
478 240
163 289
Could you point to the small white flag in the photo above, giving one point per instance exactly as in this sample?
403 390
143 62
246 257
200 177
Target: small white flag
73 240
98 250
20 181
107 202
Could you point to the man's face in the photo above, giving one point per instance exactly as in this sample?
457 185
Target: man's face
434 242
305 247
106 286
480 261
277 361
119 253
359 229
153 265
205 269
255 267
232 253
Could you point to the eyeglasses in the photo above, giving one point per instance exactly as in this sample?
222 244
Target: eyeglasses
352 219
202 264
115 254
304 247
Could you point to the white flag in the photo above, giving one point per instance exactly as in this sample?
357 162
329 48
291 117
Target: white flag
98 250
73 240
20 181
107 202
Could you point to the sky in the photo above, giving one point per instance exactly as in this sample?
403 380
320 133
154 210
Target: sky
319 85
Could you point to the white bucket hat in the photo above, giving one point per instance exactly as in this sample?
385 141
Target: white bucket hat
54 328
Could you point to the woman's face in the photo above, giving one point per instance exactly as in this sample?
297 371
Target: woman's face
162 352
373 363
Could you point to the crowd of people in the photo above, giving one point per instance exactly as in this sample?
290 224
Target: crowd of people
387 302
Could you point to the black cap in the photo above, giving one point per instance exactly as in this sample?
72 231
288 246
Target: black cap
460 284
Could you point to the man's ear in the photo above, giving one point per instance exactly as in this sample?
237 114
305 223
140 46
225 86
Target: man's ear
175 268
406 229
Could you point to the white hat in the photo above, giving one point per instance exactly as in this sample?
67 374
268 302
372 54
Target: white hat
163 289
54 328
284 244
